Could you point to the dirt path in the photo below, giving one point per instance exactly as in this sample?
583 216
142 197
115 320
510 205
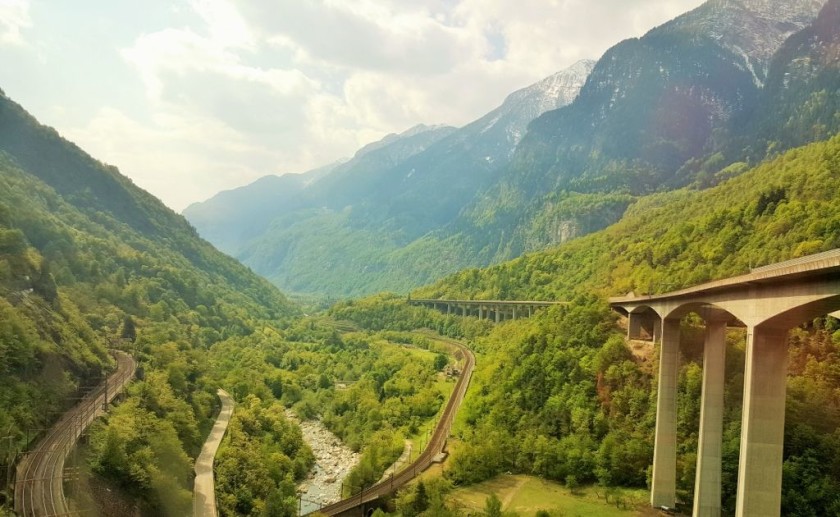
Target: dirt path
520 482
401 462
204 492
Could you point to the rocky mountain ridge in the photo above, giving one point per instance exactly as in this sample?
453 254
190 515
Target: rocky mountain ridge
404 185
684 105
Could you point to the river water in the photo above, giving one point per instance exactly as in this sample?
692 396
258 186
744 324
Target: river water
333 461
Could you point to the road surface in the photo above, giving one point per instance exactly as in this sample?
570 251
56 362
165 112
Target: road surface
426 458
204 492
39 483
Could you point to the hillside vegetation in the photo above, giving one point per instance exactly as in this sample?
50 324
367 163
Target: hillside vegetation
89 262
783 209
563 397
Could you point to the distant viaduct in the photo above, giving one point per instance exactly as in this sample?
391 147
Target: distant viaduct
494 310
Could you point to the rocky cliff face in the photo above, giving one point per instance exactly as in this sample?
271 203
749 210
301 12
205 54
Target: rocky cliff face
653 104
511 119
751 29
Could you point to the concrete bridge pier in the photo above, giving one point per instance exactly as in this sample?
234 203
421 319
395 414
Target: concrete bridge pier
707 482
642 325
768 301
762 423
664 482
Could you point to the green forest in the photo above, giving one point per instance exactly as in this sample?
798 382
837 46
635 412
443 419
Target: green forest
65 304
559 396
80 275
90 263
591 415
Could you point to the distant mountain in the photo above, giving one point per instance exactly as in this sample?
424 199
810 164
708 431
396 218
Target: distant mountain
429 190
691 103
672 108
338 230
751 29
654 103
233 217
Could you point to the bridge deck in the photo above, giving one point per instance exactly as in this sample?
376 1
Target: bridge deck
818 264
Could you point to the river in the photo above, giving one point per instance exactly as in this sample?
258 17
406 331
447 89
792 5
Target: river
333 461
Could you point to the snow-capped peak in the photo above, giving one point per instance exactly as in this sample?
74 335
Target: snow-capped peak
523 106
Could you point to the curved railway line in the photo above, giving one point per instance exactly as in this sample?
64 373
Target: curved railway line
39 483
426 458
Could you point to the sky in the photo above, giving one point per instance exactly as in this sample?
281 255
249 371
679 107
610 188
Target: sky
192 97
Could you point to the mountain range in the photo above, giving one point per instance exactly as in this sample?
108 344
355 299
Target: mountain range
692 102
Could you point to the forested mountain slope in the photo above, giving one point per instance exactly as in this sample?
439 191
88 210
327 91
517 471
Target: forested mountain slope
89 262
563 396
782 209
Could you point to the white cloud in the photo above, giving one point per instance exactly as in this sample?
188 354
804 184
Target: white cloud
14 17
224 23
236 90
176 156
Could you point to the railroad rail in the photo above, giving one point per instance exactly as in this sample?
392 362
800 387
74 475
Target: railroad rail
436 445
39 482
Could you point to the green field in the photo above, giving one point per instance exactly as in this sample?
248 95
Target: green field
525 495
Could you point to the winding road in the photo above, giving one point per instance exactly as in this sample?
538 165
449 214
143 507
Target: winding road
204 491
426 458
39 483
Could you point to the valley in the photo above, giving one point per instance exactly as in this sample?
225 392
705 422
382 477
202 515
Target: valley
615 293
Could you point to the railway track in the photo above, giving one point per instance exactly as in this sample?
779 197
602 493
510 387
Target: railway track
39 482
426 458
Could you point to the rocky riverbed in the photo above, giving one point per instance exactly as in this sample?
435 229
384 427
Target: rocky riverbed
333 461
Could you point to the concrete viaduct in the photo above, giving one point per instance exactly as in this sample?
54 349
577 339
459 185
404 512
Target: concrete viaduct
495 310
768 302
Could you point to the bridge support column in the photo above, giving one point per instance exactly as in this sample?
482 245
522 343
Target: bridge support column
514 311
641 323
707 482
664 482
762 423
498 315
634 326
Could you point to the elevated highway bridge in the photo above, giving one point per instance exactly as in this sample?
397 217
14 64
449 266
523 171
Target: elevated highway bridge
767 302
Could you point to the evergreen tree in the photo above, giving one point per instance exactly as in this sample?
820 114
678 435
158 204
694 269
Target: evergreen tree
44 284
129 330
421 498
493 506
